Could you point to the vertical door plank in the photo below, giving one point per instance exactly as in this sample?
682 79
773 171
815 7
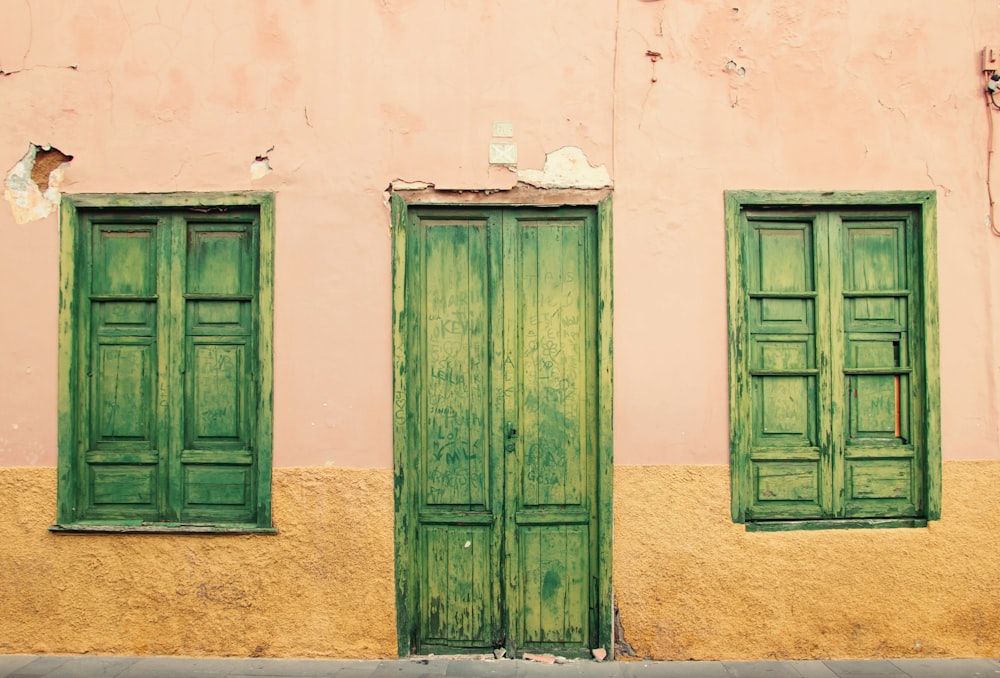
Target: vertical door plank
552 505
449 317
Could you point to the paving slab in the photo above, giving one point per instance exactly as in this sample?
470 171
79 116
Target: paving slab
761 670
347 668
276 668
177 667
673 669
864 668
365 671
953 668
570 669
39 666
92 667
358 670
471 668
9 663
813 668
405 668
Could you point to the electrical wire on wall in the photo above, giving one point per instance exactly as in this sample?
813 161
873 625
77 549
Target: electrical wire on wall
992 85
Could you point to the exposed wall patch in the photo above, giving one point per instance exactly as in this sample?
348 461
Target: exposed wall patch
622 647
261 165
566 168
32 185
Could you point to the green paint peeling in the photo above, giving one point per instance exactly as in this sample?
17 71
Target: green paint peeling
502 438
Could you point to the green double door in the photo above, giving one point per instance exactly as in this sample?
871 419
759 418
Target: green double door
499 475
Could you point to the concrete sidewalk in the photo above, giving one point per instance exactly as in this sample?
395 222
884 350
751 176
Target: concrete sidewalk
27 666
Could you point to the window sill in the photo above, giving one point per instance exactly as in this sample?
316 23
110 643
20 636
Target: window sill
847 524
160 528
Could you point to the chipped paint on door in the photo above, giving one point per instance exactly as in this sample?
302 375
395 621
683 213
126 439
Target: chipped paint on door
500 332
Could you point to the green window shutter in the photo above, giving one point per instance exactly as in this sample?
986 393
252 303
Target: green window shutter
833 357
882 470
216 464
121 442
784 469
165 365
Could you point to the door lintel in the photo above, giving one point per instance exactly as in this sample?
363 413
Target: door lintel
521 195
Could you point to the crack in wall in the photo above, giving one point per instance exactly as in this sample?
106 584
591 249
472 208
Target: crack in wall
4 73
622 648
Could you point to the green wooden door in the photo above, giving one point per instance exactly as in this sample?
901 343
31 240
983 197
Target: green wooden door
166 398
500 330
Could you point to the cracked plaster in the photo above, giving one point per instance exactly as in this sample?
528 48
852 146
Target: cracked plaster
33 194
566 167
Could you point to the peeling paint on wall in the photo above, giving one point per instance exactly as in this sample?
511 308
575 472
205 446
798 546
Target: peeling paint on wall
402 185
32 185
566 168
261 165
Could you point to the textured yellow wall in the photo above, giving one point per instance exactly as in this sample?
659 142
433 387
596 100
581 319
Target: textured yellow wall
322 587
691 584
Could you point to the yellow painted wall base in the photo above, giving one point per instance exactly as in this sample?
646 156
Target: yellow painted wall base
323 586
689 583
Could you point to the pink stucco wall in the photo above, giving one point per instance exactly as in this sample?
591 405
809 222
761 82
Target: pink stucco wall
793 94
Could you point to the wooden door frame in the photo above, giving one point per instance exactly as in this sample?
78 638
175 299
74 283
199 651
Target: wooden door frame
403 490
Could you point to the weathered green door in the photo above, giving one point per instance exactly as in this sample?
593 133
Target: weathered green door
501 466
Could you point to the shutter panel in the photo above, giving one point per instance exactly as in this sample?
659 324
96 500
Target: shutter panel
881 473
216 467
785 469
121 429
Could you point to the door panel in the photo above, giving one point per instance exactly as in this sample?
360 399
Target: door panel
552 362
555 586
216 464
786 469
500 331
882 477
459 579
551 500
457 489
455 364
122 459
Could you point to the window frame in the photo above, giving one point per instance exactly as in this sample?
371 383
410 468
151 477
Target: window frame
70 340
923 203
